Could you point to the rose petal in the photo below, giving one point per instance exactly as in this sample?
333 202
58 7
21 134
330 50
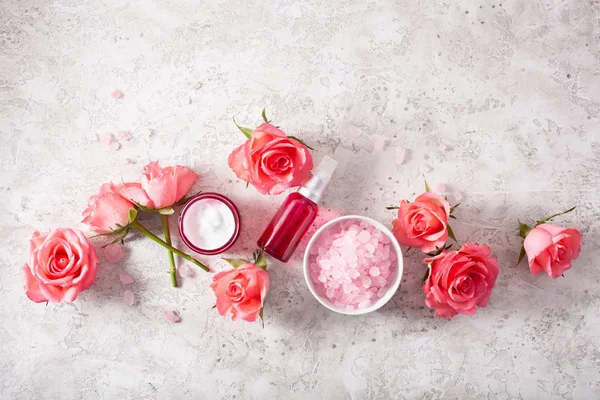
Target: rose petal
378 143
125 135
113 252
439 188
117 94
106 138
114 146
128 297
185 271
401 154
172 316
126 279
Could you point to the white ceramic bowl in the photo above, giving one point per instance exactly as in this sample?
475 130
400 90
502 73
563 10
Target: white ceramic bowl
392 288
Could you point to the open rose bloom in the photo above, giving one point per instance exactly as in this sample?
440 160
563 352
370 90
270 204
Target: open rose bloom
551 248
271 161
460 281
423 223
61 264
241 291
108 208
163 187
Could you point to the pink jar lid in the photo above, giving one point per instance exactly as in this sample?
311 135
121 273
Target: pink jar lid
223 199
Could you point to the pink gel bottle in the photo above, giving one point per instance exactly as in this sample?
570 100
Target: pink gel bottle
294 217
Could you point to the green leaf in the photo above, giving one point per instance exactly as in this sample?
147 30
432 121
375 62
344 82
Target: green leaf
262 316
426 276
245 131
132 214
166 211
141 207
541 221
453 207
521 255
301 141
247 184
451 234
452 216
260 260
213 307
264 116
235 263
427 188
524 229
392 208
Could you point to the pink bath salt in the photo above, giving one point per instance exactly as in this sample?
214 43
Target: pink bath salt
130 161
426 168
378 143
458 195
186 271
114 146
197 86
401 154
106 138
364 236
125 279
94 138
189 100
125 135
113 253
171 316
117 94
128 297
374 271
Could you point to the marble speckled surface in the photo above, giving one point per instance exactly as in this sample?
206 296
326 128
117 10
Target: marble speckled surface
500 100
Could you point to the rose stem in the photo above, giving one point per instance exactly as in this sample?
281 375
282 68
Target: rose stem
164 221
140 228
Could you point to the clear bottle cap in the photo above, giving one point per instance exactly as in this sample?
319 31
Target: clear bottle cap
315 186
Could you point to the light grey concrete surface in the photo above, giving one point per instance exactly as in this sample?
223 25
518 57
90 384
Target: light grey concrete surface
501 101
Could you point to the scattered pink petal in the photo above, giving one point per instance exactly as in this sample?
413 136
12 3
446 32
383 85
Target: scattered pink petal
197 85
125 279
379 143
401 154
172 316
439 188
106 138
114 146
427 168
186 271
117 94
458 195
130 161
113 252
94 138
128 297
125 135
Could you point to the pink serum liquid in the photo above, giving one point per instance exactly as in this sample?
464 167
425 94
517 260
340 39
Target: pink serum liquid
298 212
288 226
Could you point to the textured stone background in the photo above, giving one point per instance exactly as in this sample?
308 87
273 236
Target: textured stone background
500 100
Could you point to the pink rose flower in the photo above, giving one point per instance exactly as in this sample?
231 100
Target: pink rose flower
271 161
460 280
423 223
163 186
551 248
241 291
108 208
61 264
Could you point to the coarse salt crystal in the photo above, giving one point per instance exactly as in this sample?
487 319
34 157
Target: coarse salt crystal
125 135
374 271
401 154
117 94
128 297
172 316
